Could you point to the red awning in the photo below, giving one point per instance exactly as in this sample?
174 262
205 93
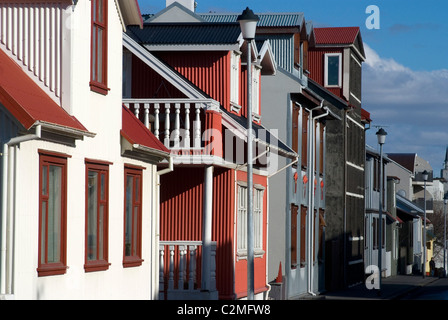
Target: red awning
27 102
134 131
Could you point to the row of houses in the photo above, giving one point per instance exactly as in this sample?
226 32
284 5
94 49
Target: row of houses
124 163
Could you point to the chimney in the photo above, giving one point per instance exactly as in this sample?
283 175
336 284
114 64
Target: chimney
189 4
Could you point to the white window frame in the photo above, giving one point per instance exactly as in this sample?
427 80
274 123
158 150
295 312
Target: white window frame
242 219
327 55
256 72
235 77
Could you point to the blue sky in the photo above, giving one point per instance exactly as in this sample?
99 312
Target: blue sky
405 76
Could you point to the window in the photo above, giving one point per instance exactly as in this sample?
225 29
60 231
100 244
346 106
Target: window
257 220
235 78
52 214
294 215
303 211
333 70
132 217
98 68
256 71
97 216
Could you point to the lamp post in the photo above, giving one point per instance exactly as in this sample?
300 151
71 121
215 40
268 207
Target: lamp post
248 23
381 135
425 178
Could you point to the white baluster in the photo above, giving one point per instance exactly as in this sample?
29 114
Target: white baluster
161 272
146 106
156 120
167 125
192 276
187 126
197 127
182 267
136 109
176 125
171 273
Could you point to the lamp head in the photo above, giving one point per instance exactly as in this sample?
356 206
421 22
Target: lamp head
425 175
381 135
248 23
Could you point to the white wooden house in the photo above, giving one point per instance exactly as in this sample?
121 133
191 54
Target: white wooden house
79 197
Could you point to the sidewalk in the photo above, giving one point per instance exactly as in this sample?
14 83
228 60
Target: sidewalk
391 288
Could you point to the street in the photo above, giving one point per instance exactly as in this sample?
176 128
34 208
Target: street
437 290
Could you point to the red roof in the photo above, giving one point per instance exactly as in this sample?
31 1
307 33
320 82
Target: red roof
336 35
26 101
135 132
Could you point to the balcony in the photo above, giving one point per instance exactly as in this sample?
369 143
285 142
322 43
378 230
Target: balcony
181 277
177 123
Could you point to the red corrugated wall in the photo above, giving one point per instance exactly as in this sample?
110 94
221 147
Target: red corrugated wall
181 215
146 83
316 65
209 71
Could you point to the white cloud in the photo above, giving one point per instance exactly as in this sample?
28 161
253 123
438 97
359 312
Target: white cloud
412 104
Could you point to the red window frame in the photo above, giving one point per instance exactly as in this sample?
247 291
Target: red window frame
99 23
46 267
98 260
132 240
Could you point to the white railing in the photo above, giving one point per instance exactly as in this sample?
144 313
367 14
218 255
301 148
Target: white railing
175 122
178 278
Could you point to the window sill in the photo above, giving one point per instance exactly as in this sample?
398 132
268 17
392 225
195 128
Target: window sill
93 266
51 270
99 88
130 262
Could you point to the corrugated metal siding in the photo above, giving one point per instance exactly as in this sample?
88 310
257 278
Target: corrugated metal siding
146 83
293 19
283 49
181 212
32 32
209 71
316 67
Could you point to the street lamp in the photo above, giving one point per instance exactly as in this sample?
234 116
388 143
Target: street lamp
248 24
425 178
381 135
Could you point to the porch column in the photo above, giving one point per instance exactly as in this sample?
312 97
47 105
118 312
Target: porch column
207 229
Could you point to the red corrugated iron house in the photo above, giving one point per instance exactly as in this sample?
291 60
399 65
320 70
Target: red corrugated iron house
186 80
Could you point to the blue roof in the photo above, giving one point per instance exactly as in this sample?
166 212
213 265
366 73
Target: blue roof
185 33
294 19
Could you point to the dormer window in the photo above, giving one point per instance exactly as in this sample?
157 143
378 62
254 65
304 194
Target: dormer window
333 70
98 56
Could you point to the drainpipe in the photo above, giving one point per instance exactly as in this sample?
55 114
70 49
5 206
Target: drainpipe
8 207
311 158
157 226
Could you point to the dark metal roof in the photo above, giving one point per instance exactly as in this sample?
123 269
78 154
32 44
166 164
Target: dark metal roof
292 19
185 33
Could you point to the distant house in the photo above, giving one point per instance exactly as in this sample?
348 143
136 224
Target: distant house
79 179
418 195
187 81
335 58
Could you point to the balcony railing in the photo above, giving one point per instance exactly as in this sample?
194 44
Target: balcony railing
178 123
180 274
